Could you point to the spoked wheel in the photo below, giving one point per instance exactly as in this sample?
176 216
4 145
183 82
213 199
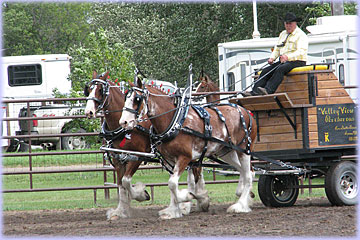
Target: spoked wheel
278 191
341 185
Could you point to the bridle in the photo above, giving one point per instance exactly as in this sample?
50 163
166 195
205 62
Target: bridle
139 99
105 92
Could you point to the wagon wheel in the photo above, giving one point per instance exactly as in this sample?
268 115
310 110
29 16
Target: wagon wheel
278 191
341 185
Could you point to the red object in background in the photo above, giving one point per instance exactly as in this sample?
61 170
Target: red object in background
35 122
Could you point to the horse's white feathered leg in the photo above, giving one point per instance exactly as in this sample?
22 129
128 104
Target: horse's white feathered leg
242 163
202 197
177 197
123 209
137 191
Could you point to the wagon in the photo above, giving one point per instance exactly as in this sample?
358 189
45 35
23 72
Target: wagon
306 128
309 123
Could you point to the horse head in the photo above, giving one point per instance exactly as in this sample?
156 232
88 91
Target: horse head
207 85
96 91
135 106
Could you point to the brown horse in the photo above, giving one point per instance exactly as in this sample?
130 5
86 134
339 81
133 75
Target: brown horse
185 147
206 85
105 95
111 102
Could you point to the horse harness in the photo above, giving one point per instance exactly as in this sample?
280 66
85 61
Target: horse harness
176 125
111 135
105 91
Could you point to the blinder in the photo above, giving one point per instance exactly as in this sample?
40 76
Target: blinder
138 99
104 93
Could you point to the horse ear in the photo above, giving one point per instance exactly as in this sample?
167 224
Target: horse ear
207 79
106 75
139 83
94 74
202 72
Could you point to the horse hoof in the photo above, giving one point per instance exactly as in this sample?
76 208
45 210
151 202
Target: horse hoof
252 195
114 218
147 196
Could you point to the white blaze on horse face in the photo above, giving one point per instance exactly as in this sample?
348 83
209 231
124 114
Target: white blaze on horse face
128 119
90 104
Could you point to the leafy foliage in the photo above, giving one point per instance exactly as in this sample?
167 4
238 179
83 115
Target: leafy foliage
319 9
101 54
42 28
166 38
162 39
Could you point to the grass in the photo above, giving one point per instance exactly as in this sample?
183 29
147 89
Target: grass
219 193
53 160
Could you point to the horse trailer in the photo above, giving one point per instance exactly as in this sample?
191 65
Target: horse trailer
34 77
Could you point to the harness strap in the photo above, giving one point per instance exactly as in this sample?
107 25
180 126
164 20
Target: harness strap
237 148
207 130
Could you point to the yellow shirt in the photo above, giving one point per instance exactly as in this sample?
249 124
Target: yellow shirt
296 46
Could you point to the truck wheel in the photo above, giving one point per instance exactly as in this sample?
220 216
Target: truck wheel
24 147
278 191
341 185
74 142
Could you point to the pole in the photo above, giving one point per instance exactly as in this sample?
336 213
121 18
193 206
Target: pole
256 33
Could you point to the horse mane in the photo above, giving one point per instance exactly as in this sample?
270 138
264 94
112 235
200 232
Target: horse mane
160 91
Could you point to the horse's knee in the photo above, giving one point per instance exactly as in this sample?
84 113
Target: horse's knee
126 182
173 183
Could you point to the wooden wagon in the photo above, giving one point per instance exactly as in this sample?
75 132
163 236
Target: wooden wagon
309 122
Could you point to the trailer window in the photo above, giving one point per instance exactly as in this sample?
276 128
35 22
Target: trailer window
24 75
231 81
341 74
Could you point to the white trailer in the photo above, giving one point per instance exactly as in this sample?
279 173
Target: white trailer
332 40
33 76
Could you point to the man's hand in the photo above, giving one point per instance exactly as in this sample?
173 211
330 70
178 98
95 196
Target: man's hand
284 58
270 60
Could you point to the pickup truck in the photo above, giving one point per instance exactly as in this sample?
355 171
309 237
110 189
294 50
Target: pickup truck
53 126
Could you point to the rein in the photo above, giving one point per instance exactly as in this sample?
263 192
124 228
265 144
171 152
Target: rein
236 94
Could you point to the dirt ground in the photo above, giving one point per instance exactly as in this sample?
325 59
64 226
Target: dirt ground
308 217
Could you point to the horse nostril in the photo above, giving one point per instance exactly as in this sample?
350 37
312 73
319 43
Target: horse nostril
123 123
89 114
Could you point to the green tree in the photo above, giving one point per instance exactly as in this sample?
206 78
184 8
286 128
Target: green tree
166 38
320 9
100 54
43 28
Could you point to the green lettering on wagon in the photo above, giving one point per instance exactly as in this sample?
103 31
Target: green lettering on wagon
337 124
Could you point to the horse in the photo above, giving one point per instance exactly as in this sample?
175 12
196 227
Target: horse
238 129
105 95
206 85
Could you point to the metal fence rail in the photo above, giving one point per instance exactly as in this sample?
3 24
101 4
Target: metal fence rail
105 167
31 170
